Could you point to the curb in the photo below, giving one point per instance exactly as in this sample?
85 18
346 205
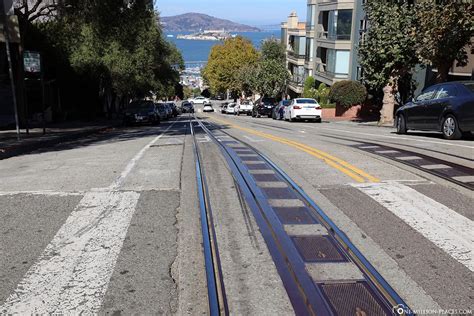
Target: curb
21 149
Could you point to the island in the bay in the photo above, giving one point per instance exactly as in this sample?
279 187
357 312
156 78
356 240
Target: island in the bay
197 22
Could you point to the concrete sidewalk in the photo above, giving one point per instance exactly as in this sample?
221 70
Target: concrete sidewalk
55 134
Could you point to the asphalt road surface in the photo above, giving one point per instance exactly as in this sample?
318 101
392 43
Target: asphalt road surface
110 224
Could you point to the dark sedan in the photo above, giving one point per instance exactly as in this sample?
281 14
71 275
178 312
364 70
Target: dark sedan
446 107
141 112
264 107
187 107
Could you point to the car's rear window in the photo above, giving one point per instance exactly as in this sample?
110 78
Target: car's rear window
268 101
140 105
306 101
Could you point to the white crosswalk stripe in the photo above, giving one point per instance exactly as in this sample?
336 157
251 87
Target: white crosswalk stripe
73 272
444 227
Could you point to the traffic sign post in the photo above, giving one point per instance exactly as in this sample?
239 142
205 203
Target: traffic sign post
32 63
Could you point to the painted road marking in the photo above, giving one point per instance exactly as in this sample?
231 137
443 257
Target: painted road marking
72 274
464 179
444 227
337 163
387 152
369 147
132 163
331 271
435 167
409 158
44 193
396 137
204 139
253 140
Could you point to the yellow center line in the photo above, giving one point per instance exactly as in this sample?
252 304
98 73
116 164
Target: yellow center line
334 162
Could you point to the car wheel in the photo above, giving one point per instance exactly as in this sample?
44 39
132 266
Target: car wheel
401 124
451 128
269 116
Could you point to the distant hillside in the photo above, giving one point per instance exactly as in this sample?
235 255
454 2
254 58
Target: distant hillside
194 22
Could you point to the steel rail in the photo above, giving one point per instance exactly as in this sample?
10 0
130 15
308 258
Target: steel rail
385 290
215 283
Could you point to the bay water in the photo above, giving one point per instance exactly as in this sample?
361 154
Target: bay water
196 51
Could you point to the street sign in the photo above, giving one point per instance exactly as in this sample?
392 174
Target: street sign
7 7
32 61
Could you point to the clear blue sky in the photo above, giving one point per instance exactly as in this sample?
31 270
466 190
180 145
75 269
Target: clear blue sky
253 12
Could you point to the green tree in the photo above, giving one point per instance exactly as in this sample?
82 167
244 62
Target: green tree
387 53
444 31
273 49
272 77
225 61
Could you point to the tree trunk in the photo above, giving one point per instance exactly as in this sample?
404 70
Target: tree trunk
388 107
443 72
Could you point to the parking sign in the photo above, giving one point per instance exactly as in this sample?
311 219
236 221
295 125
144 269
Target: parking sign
32 62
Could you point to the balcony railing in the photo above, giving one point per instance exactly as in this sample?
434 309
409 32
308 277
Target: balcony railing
334 37
295 55
321 68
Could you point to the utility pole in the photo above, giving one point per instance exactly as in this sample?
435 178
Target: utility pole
6 31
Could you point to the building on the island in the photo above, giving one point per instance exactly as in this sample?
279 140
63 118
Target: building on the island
325 46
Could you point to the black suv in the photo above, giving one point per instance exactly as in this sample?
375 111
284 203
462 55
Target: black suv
264 106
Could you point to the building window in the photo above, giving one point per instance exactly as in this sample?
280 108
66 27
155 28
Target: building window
311 17
309 49
338 63
340 25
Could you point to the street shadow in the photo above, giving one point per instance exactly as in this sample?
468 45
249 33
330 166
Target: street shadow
123 134
433 135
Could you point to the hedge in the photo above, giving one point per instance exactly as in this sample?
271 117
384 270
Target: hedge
348 93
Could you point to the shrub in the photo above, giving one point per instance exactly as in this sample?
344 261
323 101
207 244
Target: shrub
348 93
309 91
323 94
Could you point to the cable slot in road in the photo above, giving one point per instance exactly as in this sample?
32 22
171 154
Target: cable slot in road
215 282
322 271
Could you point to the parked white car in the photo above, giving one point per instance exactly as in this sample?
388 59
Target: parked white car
199 100
303 109
231 108
245 107
208 108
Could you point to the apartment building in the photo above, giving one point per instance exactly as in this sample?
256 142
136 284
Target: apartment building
295 40
331 33
325 46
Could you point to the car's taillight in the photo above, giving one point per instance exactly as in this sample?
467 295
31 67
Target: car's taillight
296 107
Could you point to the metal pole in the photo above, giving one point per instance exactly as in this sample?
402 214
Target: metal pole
44 96
6 31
